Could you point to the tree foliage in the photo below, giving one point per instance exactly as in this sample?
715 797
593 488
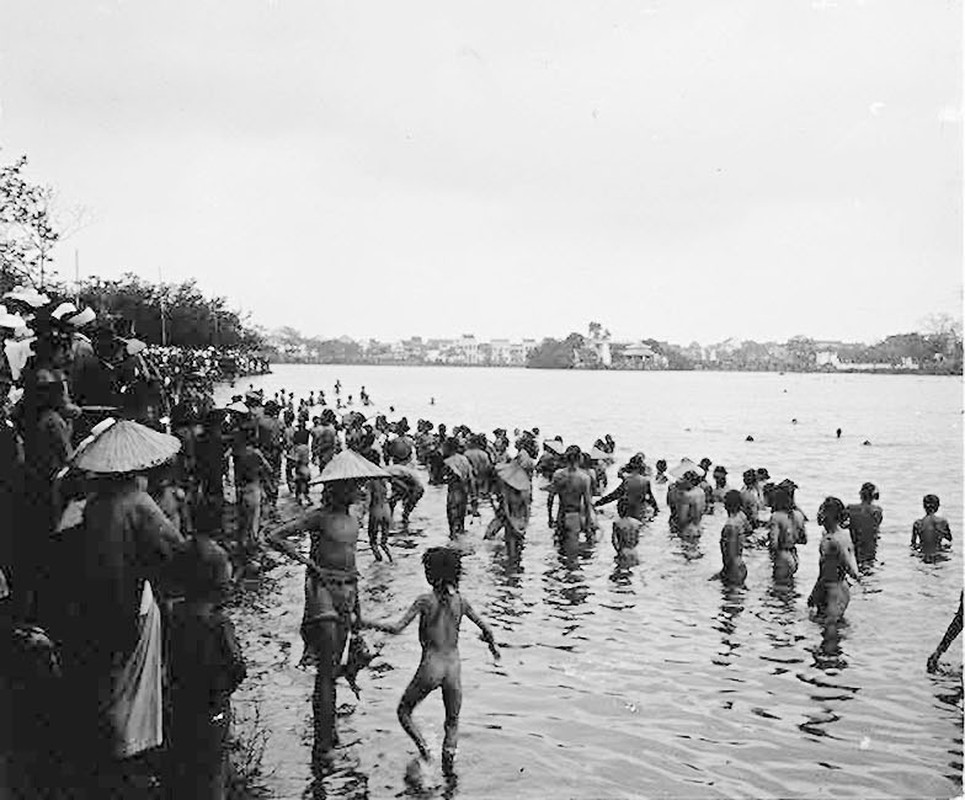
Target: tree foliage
555 354
189 318
27 232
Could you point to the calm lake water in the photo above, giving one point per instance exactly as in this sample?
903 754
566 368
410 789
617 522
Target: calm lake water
653 681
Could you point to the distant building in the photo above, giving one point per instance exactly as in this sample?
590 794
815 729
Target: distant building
638 355
827 358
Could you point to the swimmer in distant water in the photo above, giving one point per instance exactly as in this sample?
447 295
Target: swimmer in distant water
440 612
831 595
866 443
749 438
432 401
931 530
734 570
838 432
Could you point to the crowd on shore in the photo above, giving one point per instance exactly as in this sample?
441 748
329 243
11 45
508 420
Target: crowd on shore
72 607
119 544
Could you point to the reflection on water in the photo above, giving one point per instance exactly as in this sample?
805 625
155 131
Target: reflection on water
640 675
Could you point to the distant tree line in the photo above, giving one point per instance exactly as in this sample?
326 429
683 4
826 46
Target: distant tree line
175 314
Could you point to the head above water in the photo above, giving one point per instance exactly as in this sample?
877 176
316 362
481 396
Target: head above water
527 445
661 465
931 503
781 499
690 479
750 477
732 501
443 568
573 454
339 495
868 492
833 513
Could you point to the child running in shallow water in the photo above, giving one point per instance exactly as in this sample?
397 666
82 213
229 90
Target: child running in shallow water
440 613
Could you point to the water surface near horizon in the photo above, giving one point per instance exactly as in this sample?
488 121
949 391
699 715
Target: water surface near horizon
653 680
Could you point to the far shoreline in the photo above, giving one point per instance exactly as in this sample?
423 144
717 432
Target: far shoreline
896 371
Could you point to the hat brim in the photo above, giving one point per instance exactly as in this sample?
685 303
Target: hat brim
685 466
350 466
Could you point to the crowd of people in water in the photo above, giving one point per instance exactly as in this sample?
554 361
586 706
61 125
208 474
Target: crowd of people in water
129 500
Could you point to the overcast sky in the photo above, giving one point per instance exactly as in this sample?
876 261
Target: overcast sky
682 170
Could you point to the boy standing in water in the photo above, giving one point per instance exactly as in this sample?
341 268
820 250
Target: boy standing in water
732 541
440 612
866 519
379 513
931 530
461 481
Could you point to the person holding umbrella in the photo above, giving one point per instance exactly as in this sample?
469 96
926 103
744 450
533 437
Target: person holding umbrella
331 600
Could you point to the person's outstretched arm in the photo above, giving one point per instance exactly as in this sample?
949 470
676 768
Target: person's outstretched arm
278 539
487 633
618 492
915 532
397 627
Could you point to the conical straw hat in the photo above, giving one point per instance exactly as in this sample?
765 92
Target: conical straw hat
64 310
596 454
85 317
350 466
513 475
685 466
554 446
126 446
28 296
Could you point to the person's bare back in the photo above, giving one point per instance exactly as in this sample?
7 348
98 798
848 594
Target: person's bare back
439 624
930 531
